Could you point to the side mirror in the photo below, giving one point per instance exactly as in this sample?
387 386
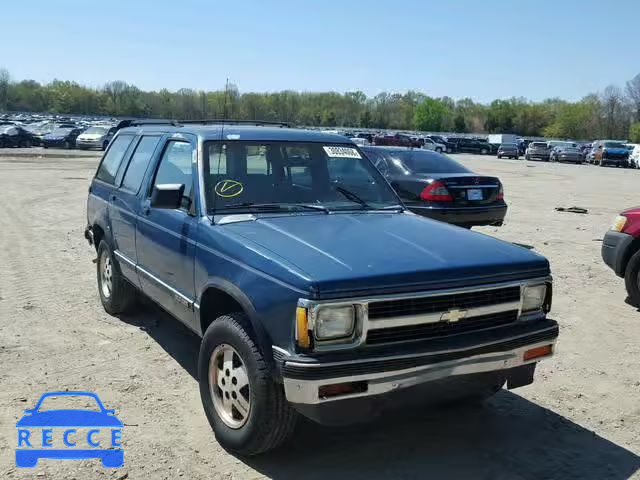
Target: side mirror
167 195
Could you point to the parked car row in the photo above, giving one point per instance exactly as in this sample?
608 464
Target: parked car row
55 132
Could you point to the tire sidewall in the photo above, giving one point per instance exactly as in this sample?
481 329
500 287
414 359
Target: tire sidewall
632 278
222 331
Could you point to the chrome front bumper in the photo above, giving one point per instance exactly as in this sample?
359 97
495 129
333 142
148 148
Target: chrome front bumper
301 390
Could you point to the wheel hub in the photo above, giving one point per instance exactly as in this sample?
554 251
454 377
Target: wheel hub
229 386
106 274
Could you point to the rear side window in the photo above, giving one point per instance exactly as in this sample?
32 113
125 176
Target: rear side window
111 161
139 163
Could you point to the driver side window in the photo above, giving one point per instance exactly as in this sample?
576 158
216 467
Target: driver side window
176 167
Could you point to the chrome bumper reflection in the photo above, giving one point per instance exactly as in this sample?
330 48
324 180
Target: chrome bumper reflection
306 391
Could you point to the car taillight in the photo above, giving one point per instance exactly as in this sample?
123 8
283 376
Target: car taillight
500 194
436 192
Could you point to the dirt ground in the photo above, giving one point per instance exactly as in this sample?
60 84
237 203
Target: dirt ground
581 419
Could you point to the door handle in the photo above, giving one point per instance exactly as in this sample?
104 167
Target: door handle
113 198
146 210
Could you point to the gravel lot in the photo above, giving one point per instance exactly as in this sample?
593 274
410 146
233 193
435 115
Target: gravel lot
581 419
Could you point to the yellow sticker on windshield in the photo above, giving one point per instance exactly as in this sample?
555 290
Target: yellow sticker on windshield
228 188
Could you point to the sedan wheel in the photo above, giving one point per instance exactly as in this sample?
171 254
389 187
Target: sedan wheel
484 151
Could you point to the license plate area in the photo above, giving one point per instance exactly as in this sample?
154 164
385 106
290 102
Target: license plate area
474 194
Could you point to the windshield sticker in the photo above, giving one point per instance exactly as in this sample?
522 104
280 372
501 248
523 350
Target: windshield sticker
341 152
228 188
233 136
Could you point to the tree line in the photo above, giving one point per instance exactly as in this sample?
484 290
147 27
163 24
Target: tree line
613 113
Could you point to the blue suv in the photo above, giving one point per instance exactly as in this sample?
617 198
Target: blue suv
314 290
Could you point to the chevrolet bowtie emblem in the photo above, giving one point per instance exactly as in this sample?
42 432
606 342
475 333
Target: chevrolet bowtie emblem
453 316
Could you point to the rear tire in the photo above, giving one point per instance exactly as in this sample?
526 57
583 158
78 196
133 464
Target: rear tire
269 419
632 279
484 151
67 145
116 294
499 156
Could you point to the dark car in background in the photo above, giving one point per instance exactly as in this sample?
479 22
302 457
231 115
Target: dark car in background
398 140
15 136
436 186
538 151
471 145
61 137
509 150
39 130
566 154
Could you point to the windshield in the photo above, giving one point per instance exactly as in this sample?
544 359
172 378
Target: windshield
249 176
421 161
508 145
613 145
96 130
538 145
7 129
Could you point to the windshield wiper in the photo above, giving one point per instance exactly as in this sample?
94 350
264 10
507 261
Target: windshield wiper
278 207
352 196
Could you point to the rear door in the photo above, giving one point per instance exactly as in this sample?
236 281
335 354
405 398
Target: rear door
103 185
125 203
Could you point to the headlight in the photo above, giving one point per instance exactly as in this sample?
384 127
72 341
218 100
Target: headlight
334 322
619 223
533 297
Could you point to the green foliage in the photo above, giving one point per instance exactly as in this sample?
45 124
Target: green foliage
606 115
431 115
634 132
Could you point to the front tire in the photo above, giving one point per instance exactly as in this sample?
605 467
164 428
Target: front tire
247 410
632 279
439 150
116 294
484 151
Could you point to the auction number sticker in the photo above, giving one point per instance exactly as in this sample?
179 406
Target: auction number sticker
341 152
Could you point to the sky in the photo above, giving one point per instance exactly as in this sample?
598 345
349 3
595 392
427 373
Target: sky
482 49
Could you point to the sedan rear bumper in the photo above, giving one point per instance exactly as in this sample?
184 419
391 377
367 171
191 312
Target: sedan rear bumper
464 216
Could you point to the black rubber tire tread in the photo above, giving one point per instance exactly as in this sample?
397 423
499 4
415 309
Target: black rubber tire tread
277 419
123 294
632 279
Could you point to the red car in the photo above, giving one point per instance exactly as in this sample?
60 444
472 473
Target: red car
621 251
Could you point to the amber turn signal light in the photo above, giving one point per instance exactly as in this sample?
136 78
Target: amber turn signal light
537 352
302 328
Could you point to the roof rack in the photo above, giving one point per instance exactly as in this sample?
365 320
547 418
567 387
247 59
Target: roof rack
148 121
216 121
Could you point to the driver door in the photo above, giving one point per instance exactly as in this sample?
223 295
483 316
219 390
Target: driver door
166 239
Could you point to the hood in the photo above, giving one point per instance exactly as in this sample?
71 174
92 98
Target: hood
367 253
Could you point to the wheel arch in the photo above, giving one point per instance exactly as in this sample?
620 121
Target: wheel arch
219 296
629 252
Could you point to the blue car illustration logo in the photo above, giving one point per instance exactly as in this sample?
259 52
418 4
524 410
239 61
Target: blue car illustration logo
36 431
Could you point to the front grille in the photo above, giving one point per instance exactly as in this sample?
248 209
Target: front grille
615 156
442 303
439 329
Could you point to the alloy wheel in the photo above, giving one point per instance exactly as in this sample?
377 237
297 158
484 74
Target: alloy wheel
229 386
